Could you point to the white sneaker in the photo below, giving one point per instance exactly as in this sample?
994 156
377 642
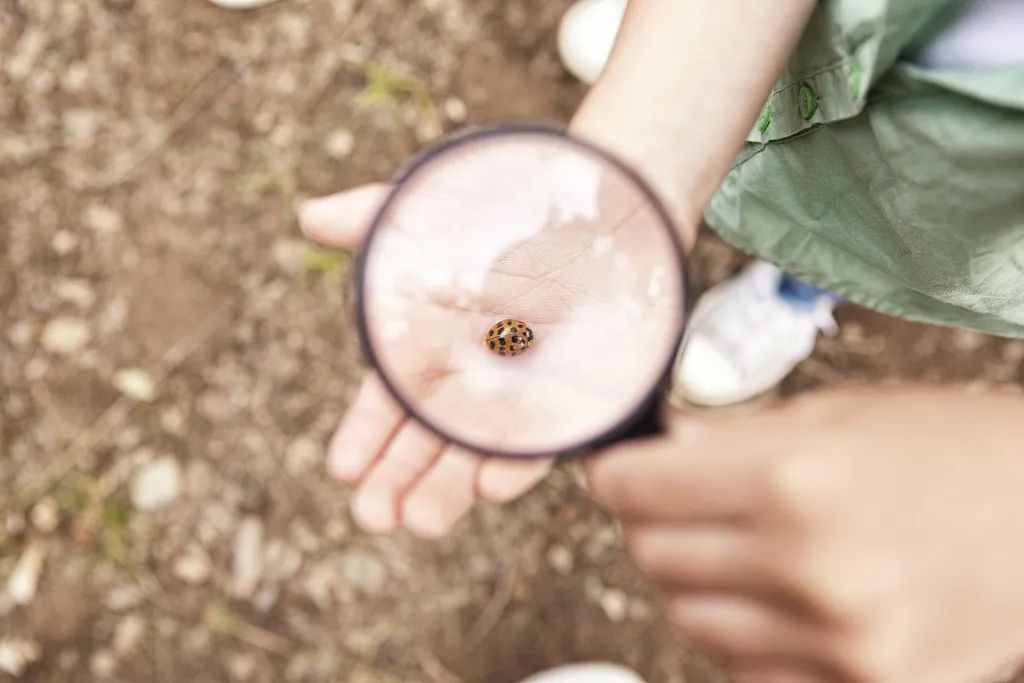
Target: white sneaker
587 35
586 673
241 4
744 338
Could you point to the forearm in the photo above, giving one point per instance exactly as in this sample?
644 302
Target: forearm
683 87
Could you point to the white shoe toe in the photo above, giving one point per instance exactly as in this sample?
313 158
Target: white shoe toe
705 376
586 673
587 35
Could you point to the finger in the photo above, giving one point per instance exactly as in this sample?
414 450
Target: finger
376 504
341 220
743 629
669 479
444 493
777 673
371 421
502 480
701 558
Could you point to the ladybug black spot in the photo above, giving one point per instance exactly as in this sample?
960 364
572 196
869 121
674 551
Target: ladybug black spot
491 344
502 341
515 339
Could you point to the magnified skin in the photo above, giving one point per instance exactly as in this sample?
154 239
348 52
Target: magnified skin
531 226
407 476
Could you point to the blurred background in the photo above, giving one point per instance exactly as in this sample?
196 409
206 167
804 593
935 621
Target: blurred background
173 357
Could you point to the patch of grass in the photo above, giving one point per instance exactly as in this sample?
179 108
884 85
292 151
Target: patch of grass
389 88
267 173
222 621
331 264
115 535
73 495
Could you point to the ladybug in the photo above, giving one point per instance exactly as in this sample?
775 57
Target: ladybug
509 337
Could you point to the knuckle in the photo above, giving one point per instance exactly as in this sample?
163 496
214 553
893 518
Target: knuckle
647 553
792 487
861 659
606 484
833 591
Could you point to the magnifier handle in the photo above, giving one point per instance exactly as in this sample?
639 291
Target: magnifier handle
648 424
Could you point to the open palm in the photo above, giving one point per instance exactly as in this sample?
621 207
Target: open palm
406 475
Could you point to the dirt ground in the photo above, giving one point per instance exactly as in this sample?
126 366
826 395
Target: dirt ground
173 357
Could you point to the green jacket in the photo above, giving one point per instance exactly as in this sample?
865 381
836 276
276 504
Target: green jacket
897 187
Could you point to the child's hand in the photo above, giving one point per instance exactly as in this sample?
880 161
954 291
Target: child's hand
855 537
406 475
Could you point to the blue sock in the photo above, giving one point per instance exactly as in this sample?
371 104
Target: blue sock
801 294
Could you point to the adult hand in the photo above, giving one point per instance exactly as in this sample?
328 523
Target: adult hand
855 536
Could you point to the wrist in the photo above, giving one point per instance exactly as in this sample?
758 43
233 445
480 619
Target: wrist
618 133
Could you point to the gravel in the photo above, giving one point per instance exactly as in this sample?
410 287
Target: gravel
65 335
156 484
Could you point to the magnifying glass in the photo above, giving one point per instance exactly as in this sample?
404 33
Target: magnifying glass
522 293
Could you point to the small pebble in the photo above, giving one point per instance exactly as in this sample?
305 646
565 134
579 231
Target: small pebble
65 335
23 581
560 559
156 484
102 219
129 634
241 666
64 242
77 292
102 664
339 144
614 603
193 567
172 420
247 568
45 515
16 654
455 109
135 384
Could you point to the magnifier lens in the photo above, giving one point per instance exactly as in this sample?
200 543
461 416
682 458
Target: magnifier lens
530 226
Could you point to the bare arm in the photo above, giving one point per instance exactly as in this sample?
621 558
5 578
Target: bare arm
683 87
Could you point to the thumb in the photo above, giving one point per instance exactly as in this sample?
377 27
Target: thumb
341 220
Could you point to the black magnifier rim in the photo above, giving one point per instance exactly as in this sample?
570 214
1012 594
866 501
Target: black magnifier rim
499 130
